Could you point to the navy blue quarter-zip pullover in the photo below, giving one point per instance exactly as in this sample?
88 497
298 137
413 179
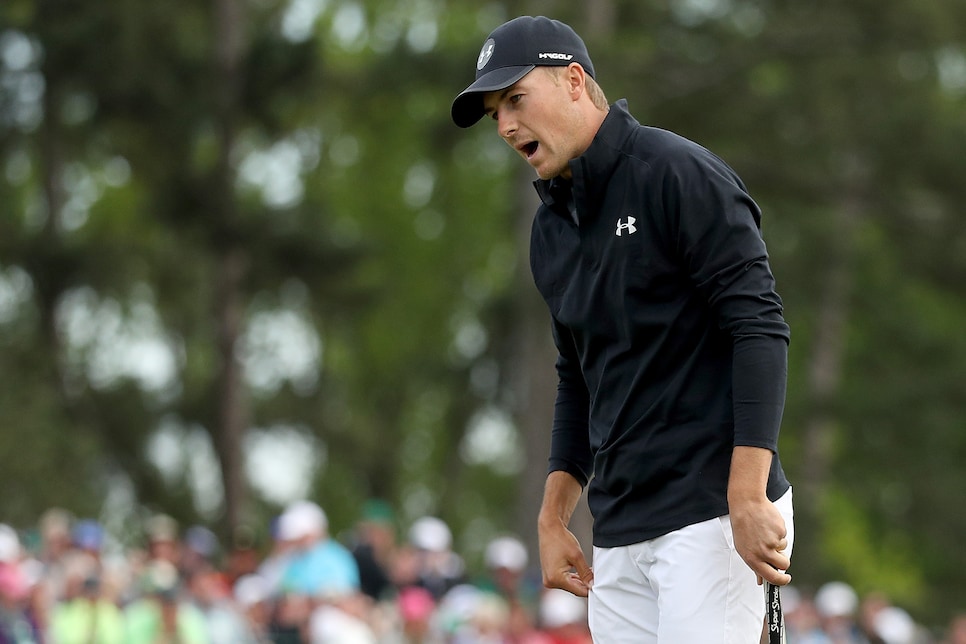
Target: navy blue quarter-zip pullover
672 348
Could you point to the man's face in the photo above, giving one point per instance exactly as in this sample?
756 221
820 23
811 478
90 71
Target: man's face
537 118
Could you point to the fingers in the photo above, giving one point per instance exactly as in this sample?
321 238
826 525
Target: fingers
769 562
562 561
774 576
570 573
572 583
761 538
772 568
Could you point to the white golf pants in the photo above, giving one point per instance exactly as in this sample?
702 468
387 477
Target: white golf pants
687 587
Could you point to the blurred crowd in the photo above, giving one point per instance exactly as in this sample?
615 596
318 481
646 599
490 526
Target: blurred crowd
836 614
68 581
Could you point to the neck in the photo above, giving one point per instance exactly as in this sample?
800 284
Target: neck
592 119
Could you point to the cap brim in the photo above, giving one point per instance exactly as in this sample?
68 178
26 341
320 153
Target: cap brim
468 106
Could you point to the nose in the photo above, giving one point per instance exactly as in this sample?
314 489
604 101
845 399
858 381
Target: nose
506 126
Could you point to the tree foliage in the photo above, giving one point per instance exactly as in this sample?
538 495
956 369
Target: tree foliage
233 223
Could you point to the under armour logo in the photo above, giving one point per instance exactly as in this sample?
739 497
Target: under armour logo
628 226
485 54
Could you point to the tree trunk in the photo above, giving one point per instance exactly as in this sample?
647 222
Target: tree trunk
231 266
50 285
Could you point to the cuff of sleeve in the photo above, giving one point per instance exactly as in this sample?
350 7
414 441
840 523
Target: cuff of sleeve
771 446
557 465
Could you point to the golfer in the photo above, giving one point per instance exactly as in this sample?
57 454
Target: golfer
672 352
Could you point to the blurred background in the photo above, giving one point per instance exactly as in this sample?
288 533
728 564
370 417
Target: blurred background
246 259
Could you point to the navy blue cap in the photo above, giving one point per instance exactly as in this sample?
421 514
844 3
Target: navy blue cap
511 52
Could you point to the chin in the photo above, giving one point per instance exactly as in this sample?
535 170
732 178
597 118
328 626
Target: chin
547 175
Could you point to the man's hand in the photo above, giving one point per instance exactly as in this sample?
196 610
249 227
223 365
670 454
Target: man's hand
758 527
759 533
562 560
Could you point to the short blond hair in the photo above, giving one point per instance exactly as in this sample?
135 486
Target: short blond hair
597 94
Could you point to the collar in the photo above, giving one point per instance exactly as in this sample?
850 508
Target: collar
557 194
592 169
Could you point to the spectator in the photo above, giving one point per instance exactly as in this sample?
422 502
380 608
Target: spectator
224 620
320 566
290 618
243 557
416 609
957 630
374 547
199 548
87 537
276 561
489 622
15 625
803 624
162 615
87 618
438 567
320 581
251 592
883 623
162 538
54 548
869 608
837 603
893 625
82 563
506 560
55 537
563 618
467 615
342 619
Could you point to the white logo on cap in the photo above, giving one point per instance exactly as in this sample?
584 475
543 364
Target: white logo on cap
485 53
556 56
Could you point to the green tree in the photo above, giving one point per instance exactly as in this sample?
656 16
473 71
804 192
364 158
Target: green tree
231 220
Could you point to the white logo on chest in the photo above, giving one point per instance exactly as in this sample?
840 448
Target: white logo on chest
628 226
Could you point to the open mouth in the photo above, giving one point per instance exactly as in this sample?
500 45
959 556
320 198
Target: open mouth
530 149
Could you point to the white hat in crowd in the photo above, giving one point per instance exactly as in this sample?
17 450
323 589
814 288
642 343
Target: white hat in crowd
836 599
458 606
302 519
9 544
331 624
894 626
251 589
431 533
506 552
560 608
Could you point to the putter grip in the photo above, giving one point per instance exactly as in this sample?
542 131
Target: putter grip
774 620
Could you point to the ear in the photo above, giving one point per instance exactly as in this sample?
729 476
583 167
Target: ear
576 80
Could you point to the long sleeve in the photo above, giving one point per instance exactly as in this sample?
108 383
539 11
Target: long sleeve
570 440
719 238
